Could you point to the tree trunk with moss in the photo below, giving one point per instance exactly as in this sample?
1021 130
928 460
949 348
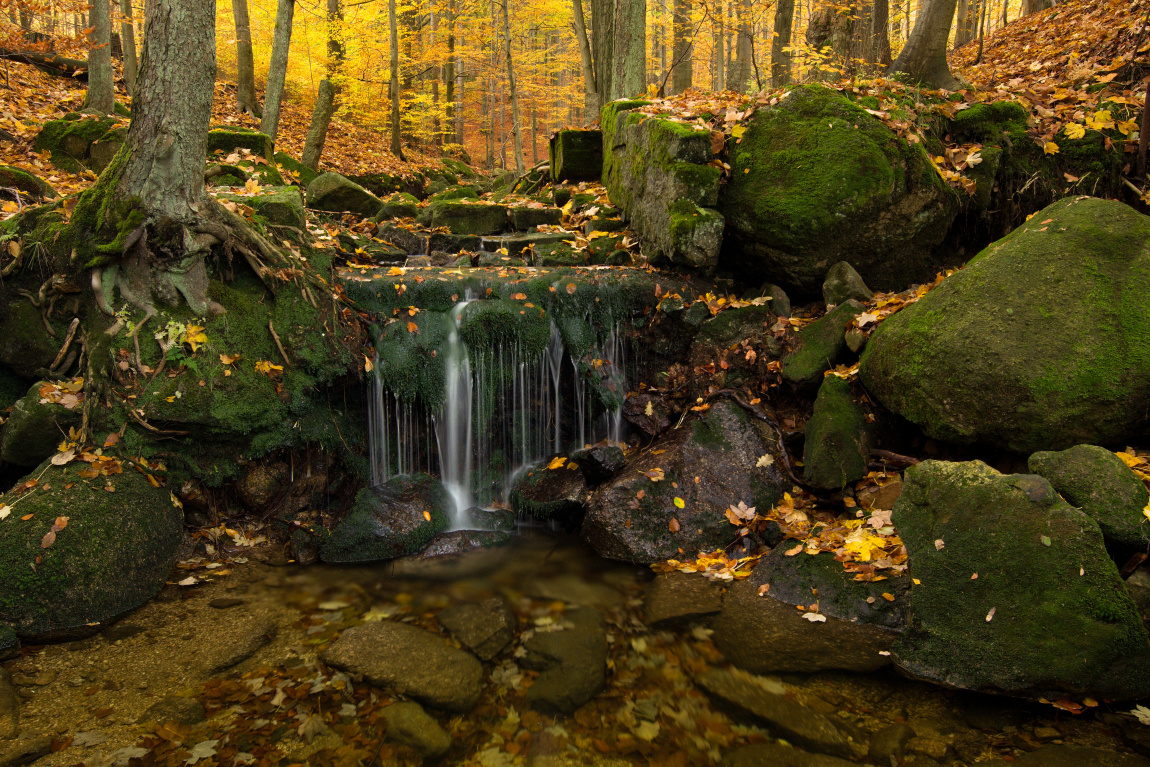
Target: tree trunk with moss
923 60
101 91
277 69
246 100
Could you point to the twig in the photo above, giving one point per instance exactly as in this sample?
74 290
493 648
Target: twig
279 346
161 432
895 457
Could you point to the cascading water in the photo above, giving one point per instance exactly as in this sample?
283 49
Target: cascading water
504 411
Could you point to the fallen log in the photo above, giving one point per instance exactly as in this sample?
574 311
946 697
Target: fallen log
50 63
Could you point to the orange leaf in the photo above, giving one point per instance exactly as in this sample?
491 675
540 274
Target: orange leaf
673 525
570 288
412 327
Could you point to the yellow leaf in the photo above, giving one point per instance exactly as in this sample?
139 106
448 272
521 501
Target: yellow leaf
1050 148
367 364
557 462
1074 131
395 271
655 475
228 359
267 368
1129 459
10 207
679 502
738 131
1101 120
427 515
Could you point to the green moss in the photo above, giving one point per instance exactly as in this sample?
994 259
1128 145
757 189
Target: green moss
708 431
227 140
70 140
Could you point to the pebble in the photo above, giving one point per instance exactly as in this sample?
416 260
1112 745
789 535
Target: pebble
225 602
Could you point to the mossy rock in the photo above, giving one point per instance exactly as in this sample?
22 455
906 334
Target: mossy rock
9 642
816 180
456 193
576 155
487 325
26 182
333 192
115 553
836 449
1047 616
227 140
482 219
278 205
551 494
525 217
1042 342
34 429
299 172
820 346
630 516
1097 482
104 149
12 388
561 253
25 347
844 283
399 205
719 339
389 521
70 139
265 173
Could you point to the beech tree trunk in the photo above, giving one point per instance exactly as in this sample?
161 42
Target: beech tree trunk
325 97
590 85
449 80
741 70
682 48
1034 6
780 55
101 90
393 26
246 100
277 68
516 126
880 45
128 37
603 47
630 54
923 59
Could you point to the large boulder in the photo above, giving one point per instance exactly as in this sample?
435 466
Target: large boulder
37 424
282 206
817 180
1042 342
113 552
389 521
228 139
70 139
1014 592
333 192
1099 483
483 219
671 502
576 155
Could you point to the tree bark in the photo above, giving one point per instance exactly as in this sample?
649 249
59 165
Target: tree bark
393 81
277 68
630 55
325 98
449 79
780 55
682 48
1034 6
128 36
603 46
741 73
590 86
831 32
880 46
246 100
101 90
718 58
516 126
923 59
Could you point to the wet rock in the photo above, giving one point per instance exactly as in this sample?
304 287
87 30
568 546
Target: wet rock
225 602
888 745
780 301
599 464
25 751
547 493
820 346
1017 594
9 708
648 413
174 708
1073 756
763 634
398 518
572 661
261 481
237 637
484 628
333 192
779 755
34 429
9 642
843 186
1057 309
409 725
24 346
121 630
718 459
410 660
675 599
766 701
837 445
843 283
1097 482
115 553
711 348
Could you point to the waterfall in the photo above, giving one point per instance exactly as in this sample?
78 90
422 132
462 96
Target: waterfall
505 410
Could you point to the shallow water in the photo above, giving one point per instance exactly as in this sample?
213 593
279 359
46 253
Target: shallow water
251 630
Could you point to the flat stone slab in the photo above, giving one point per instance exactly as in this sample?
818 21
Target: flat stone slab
412 661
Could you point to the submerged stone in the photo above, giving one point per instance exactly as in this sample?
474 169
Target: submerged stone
572 661
389 521
1041 342
1016 593
112 552
484 628
409 725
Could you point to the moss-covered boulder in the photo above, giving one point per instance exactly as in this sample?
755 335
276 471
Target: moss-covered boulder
1042 342
670 503
816 180
658 171
229 139
70 139
333 192
282 205
1014 592
1097 482
389 521
27 183
112 553
293 168
9 642
819 346
37 424
25 347
483 219
576 155
399 205
836 448
558 493
844 283
525 217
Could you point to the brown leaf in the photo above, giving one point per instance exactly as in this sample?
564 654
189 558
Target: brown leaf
673 526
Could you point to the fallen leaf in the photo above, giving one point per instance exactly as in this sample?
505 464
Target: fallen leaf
427 515
679 502
815 617
557 462
990 615
938 544
673 525
794 551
